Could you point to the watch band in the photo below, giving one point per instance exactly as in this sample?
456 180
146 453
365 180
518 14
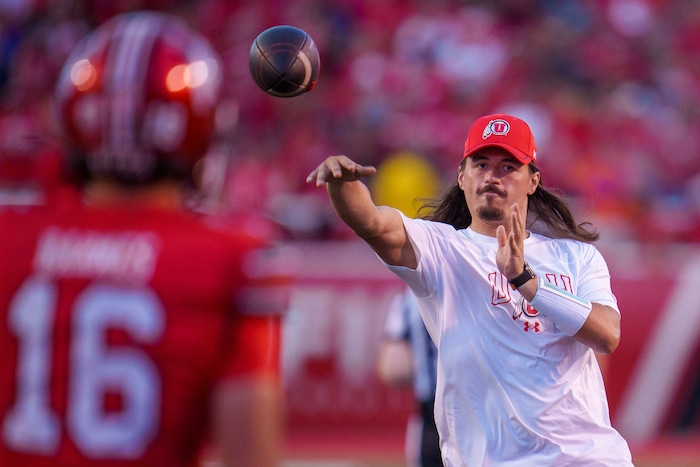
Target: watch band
523 277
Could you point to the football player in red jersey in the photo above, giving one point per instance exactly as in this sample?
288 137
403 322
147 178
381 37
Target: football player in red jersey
133 330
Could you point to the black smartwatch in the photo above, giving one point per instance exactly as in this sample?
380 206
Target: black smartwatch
523 277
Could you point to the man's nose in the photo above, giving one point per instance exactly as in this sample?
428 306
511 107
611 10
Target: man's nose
492 176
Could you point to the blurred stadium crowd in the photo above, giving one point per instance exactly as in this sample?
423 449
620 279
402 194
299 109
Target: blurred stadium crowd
610 87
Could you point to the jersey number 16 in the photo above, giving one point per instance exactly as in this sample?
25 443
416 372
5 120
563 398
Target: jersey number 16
32 425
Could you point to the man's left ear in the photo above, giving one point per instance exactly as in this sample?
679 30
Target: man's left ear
534 183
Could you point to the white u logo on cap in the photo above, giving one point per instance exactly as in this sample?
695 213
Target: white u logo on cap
496 127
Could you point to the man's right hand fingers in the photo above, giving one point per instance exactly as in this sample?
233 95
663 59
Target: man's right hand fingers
339 168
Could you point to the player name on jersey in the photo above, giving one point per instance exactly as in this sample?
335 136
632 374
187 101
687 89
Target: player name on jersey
81 254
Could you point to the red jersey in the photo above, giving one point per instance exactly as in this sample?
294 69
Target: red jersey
115 325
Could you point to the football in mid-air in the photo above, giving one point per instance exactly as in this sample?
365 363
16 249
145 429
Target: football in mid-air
284 61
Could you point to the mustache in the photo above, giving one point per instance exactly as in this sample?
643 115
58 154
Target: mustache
492 189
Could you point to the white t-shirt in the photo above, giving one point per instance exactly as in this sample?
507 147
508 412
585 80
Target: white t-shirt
512 389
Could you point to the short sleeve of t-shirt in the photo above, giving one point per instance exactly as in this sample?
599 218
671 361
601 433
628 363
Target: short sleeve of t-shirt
595 277
429 249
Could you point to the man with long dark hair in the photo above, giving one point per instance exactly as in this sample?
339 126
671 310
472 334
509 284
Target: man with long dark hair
516 315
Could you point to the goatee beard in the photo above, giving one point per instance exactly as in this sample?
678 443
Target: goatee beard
490 213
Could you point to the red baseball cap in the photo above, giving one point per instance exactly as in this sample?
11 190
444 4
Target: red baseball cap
503 131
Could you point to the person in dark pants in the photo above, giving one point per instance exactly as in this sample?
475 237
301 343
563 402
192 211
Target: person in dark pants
408 356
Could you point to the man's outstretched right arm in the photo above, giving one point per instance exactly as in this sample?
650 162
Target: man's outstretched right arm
382 228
